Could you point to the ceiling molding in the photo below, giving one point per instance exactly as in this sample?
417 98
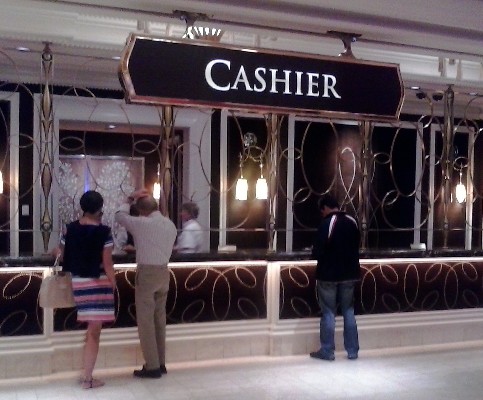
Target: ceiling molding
86 35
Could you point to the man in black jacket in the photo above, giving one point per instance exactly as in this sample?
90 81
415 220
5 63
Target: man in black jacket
336 250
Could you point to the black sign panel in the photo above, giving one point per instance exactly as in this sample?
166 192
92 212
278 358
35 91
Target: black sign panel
193 73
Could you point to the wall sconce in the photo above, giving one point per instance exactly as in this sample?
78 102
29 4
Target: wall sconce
198 32
255 153
261 189
460 191
204 33
241 189
157 187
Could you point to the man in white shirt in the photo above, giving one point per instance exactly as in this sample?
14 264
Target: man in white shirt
190 240
154 236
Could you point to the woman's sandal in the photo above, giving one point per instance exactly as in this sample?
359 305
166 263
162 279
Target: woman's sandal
91 383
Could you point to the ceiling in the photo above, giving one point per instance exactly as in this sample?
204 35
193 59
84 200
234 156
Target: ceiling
435 42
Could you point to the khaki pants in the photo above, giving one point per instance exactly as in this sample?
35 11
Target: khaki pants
151 292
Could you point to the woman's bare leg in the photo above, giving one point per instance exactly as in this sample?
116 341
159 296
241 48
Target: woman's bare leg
91 348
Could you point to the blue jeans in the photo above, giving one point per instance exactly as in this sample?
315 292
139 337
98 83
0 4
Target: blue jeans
330 294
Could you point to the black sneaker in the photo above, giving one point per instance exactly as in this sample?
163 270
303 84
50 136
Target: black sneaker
147 373
163 369
322 356
352 356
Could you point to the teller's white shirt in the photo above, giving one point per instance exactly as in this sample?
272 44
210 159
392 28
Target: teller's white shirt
190 240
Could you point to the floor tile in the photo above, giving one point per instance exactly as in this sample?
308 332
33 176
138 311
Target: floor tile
443 374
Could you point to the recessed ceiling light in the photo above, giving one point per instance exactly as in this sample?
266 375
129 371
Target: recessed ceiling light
415 87
116 58
111 126
21 48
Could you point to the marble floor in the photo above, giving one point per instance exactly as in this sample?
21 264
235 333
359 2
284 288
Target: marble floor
425 374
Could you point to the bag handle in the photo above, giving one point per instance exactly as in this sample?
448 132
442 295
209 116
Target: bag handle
55 266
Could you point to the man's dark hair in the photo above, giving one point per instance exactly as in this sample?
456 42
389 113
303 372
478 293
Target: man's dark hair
329 201
133 210
191 208
91 202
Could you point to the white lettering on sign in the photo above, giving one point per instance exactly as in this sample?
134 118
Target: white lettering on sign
311 84
260 77
285 81
210 80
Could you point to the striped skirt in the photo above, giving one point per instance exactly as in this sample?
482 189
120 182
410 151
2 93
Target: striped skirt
94 299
